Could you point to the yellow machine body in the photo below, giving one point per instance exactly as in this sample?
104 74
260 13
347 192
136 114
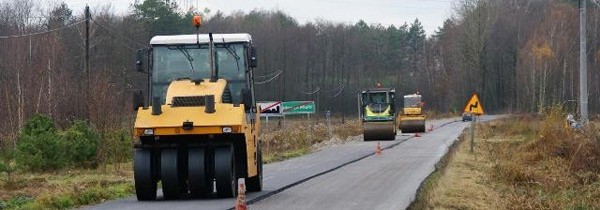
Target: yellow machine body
413 111
169 123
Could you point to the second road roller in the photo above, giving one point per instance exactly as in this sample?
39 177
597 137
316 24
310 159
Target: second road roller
412 119
378 113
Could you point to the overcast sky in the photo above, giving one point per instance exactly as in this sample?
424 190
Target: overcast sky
431 13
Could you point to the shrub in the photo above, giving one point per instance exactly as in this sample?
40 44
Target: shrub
118 146
80 143
39 146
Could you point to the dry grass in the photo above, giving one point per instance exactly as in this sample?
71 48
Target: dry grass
301 136
520 163
460 183
65 189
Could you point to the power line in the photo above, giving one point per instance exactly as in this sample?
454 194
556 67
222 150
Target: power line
311 93
268 75
43 32
269 80
339 92
340 86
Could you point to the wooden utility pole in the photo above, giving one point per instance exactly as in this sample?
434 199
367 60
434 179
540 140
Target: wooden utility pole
583 90
87 61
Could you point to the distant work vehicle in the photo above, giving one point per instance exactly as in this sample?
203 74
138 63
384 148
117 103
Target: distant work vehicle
378 113
201 129
412 119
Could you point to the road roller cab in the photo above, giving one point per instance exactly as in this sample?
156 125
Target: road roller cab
200 128
412 119
378 111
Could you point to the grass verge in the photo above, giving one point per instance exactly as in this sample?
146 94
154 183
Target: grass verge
66 189
519 163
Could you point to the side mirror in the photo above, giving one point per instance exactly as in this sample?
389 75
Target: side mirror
138 99
139 65
252 63
247 99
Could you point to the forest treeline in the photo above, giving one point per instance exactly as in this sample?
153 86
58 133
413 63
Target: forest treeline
518 55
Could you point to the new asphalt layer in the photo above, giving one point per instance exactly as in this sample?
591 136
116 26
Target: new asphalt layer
347 176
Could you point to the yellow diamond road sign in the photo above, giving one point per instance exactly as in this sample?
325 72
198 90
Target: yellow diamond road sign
474 106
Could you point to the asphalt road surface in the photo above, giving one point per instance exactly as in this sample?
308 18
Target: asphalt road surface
347 176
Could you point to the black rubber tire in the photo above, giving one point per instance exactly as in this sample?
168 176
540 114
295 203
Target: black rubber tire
143 173
199 179
255 183
225 172
171 174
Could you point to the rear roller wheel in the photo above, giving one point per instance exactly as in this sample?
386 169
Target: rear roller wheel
225 172
143 173
173 179
199 180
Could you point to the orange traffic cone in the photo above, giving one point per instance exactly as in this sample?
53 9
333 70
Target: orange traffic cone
431 127
378 149
417 135
240 203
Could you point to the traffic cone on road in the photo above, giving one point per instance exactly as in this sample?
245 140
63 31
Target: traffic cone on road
417 135
378 149
431 127
240 203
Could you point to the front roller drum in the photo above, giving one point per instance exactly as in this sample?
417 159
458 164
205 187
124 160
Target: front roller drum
412 126
144 173
225 172
379 131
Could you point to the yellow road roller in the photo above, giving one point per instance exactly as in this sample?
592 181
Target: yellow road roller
197 133
412 119
378 112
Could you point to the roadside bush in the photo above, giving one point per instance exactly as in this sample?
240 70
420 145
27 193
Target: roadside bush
81 143
118 146
39 146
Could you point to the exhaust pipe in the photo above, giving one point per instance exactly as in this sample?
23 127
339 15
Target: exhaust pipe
213 70
156 106
210 104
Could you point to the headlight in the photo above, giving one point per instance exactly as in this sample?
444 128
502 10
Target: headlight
227 129
148 131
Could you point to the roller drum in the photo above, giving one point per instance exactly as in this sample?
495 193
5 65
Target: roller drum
379 131
412 126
